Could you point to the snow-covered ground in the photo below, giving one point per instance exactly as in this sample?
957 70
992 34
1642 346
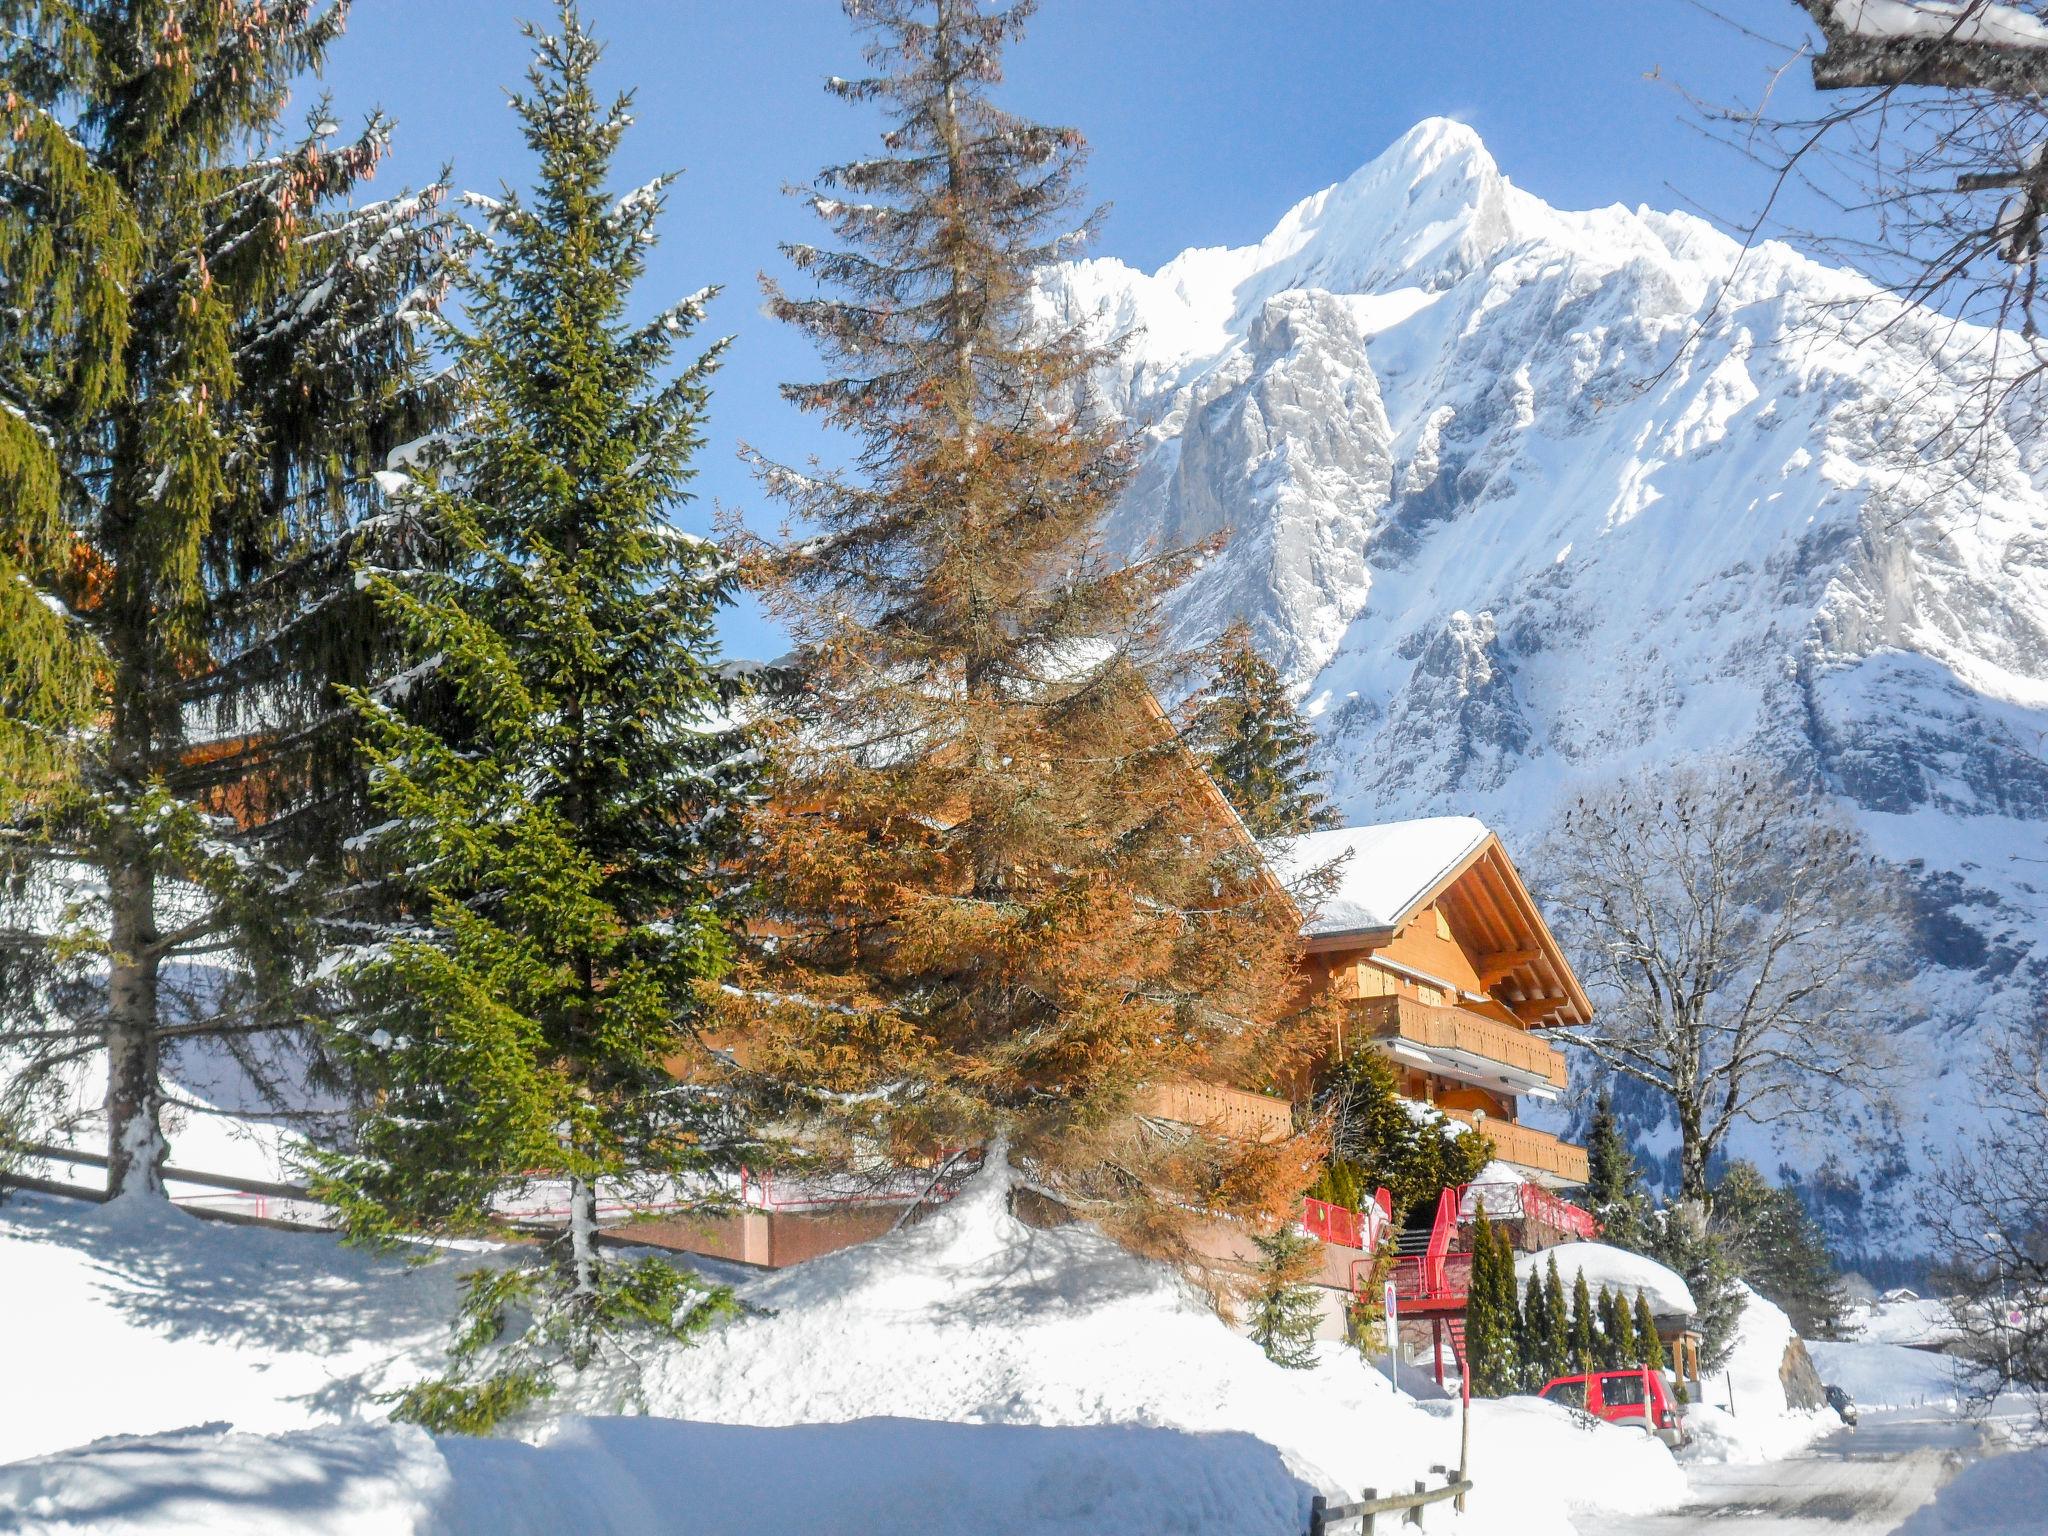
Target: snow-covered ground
2004 1496
1923 1320
1744 1417
971 1373
1880 1375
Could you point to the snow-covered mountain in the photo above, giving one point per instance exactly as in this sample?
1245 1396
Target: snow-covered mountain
1522 497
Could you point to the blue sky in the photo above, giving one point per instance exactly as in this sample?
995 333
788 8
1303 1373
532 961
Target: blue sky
1208 119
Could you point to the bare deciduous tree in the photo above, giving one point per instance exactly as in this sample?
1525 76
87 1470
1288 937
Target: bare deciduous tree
1991 1222
1741 942
1921 163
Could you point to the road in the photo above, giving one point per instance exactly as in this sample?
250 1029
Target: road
1853 1483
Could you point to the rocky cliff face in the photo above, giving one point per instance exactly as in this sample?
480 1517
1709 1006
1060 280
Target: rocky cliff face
1520 498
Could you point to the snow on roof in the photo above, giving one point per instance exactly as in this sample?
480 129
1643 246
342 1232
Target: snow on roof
1617 1269
1385 869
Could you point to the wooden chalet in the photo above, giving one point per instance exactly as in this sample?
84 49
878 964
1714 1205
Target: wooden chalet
1434 947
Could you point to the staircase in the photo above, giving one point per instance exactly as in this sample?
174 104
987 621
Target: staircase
1454 1325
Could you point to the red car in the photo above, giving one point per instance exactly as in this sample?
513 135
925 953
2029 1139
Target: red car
1636 1397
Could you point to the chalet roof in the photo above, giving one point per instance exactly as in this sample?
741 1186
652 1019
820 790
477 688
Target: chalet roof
1388 871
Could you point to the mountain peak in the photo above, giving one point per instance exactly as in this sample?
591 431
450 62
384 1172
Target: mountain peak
1436 144
1430 208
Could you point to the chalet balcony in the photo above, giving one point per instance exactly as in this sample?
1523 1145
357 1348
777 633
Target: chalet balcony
1459 1044
1542 1154
1221 1111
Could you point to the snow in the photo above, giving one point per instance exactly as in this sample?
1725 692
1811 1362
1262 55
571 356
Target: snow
1920 1321
1963 21
1744 1417
967 1374
626 1477
2004 1496
1629 1274
1729 449
1385 870
146 1319
1887 1375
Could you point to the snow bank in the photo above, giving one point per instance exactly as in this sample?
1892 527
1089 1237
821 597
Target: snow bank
1745 1417
1042 1381
1626 1273
1887 1375
2004 1496
131 1320
653 1477
975 1317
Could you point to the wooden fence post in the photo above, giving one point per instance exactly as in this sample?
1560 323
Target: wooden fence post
1366 1526
1317 1524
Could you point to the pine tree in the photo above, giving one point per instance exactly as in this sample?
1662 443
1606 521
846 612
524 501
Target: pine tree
1557 1329
1243 725
1492 1356
207 354
1608 1310
1614 1190
1679 1238
1649 1347
1583 1341
1283 1310
1622 1331
1534 1337
1776 1247
1378 1141
565 809
1000 902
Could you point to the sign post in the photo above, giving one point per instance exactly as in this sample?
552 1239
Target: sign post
1393 1340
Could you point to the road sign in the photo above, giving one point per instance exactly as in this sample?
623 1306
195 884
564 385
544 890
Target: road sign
1393 1340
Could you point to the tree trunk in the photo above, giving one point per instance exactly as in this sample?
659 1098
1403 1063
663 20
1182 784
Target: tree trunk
135 1141
583 1270
1692 1156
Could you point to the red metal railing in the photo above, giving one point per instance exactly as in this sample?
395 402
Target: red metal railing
1525 1202
1340 1224
1333 1223
1442 1271
1420 1278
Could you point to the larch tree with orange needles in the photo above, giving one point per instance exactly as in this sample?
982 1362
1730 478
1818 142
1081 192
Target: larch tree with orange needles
1001 899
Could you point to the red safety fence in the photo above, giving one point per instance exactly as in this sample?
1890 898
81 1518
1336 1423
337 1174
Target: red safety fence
1352 1229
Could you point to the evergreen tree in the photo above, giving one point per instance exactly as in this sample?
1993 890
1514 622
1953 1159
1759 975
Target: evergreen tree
998 908
1492 1353
1776 1247
1283 1310
1534 1338
564 811
1243 725
1377 1139
1617 1331
1649 1347
1626 1346
1583 1341
207 353
1679 1238
1557 1330
1614 1189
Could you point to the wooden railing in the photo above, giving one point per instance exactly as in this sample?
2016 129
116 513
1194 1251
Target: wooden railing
1527 1147
1322 1514
1458 1029
1223 1111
